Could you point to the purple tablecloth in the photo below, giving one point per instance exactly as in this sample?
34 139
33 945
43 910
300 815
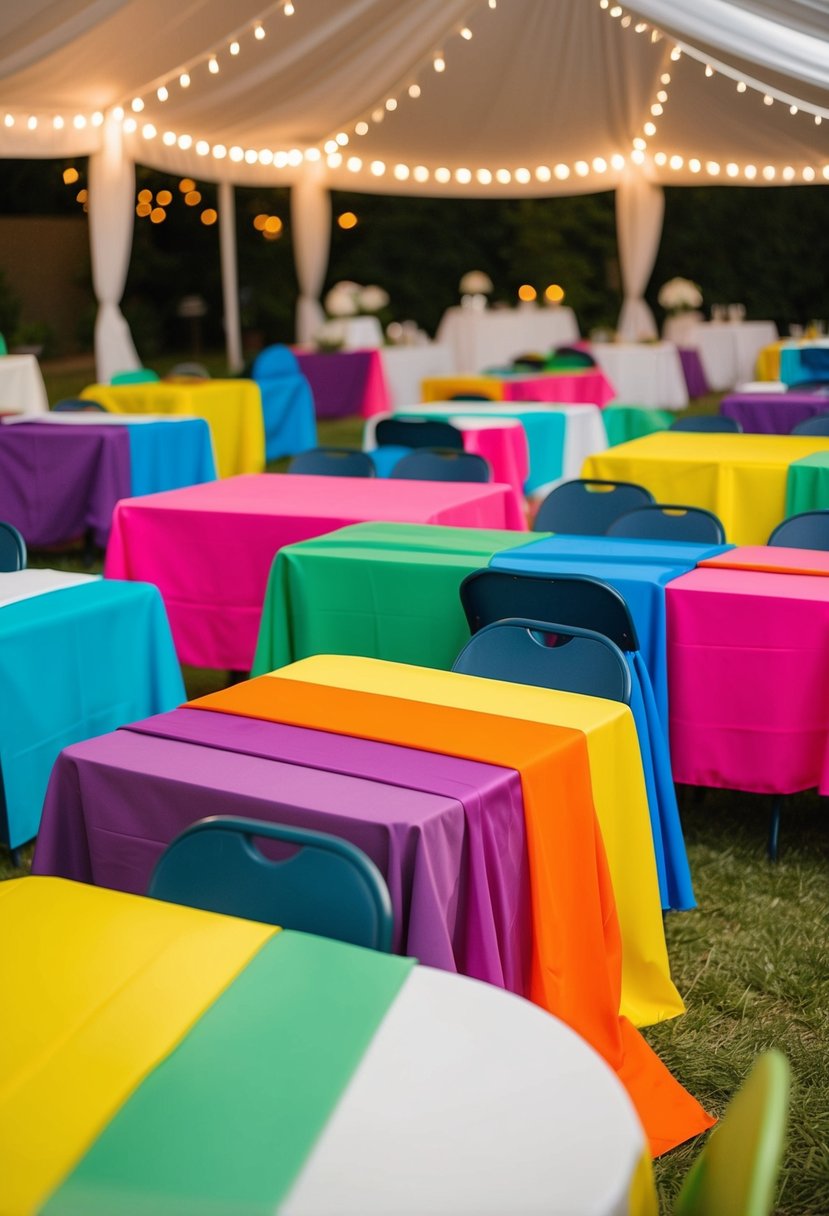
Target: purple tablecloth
56 483
346 382
448 834
695 380
773 413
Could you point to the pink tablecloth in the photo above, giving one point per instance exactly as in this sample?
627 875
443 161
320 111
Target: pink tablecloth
748 668
563 388
209 548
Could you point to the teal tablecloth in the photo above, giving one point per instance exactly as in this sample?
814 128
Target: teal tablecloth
169 454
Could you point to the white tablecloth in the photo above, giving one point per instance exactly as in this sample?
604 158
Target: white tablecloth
644 374
362 333
488 338
19 585
472 1100
728 350
405 366
21 385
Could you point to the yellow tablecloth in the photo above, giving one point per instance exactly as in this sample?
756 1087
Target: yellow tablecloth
444 388
741 478
233 409
619 795
768 362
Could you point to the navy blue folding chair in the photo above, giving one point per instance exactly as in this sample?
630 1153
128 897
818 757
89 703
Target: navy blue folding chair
325 886
587 506
12 549
817 425
669 521
333 462
433 464
69 405
809 530
547 654
417 433
706 423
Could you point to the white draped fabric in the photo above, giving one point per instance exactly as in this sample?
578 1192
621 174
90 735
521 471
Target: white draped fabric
640 207
111 213
311 227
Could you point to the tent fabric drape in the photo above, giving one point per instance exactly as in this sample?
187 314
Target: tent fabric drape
311 227
640 207
111 203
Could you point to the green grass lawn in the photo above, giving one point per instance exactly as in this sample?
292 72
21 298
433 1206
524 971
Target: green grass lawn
751 962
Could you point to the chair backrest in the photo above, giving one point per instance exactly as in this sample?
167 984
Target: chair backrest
140 375
12 549
333 462
815 361
547 654
531 360
706 422
4 350
327 886
669 521
190 369
471 397
818 425
587 507
276 360
417 433
570 356
737 1169
434 464
69 405
810 530
571 599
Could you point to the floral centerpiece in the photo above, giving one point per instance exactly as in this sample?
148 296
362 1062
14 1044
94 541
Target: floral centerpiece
680 295
344 301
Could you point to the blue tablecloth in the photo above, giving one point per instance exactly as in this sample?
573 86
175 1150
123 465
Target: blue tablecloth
287 404
639 571
75 663
167 455
804 364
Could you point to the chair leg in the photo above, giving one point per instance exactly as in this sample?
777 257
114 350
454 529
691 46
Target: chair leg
774 826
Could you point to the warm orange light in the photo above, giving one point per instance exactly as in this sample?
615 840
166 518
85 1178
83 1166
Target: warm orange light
186 185
554 293
145 196
158 215
82 196
271 236
164 198
143 209
192 198
347 220
273 225
259 222
70 176
527 293
209 216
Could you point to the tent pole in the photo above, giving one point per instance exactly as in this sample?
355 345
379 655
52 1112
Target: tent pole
230 276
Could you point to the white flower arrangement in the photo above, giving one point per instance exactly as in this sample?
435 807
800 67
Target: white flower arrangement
372 299
330 336
347 299
680 295
475 283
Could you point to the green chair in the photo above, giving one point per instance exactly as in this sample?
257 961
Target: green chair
326 886
4 350
736 1172
141 375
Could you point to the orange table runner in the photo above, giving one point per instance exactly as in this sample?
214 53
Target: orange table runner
576 952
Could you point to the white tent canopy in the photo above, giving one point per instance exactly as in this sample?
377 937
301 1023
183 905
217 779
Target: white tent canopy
441 97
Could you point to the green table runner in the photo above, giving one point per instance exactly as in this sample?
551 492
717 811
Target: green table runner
224 1125
807 484
624 422
385 591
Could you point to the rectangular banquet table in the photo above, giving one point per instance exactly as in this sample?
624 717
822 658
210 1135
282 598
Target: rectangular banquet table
206 1063
405 368
62 474
479 337
644 373
587 387
749 669
209 548
802 362
78 656
576 955
559 437
772 413
233 408
807 485
345 382
741 478
21 385
625 422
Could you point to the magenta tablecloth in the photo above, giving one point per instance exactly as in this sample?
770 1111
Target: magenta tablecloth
448 834
346 382
773 413
209 548
563 388
60 482
748 665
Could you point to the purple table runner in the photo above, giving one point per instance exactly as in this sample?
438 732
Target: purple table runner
339 381
773 413
57 483
692 370
447 833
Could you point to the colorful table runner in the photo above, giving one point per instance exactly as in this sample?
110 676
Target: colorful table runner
576 969
741 478
114 802
807 485
772 413
386 591
73 664
590 386
749 679
775 559
209 548
233 408
625 422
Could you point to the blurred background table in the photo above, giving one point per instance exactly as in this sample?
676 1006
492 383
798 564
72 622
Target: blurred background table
22 390
478 338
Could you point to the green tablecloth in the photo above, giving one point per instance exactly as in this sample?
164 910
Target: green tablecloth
807 484
624 422
386 591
